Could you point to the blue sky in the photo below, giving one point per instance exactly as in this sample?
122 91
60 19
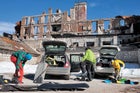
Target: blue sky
12 11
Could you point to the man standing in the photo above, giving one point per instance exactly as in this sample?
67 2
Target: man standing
118 65
87 64
17 29
19 58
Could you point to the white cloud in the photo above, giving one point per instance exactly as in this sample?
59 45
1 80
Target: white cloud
92 4
6 27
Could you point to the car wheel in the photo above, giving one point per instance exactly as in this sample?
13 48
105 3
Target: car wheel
67 77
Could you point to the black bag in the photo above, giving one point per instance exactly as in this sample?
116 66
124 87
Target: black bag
127 82
1 79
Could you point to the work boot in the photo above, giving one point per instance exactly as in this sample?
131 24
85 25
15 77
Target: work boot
83 79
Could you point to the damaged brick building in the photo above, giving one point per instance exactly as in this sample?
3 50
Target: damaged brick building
76 29
123 28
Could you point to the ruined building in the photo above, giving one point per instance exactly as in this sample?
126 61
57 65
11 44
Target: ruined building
77 30
61 24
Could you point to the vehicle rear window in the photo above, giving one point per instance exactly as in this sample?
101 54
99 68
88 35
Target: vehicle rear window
108 51
55 48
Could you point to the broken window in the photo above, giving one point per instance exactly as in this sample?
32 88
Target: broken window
76 43
56 28
90 44
136 28
106 42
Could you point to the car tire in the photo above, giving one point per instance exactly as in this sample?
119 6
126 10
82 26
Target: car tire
67 77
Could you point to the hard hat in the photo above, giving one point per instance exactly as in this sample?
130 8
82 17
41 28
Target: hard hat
28 56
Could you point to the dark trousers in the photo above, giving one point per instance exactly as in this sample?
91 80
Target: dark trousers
88 67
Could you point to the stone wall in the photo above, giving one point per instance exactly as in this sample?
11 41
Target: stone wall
129 54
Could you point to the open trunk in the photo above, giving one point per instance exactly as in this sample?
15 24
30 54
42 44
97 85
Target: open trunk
104 62
106 55
55 60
